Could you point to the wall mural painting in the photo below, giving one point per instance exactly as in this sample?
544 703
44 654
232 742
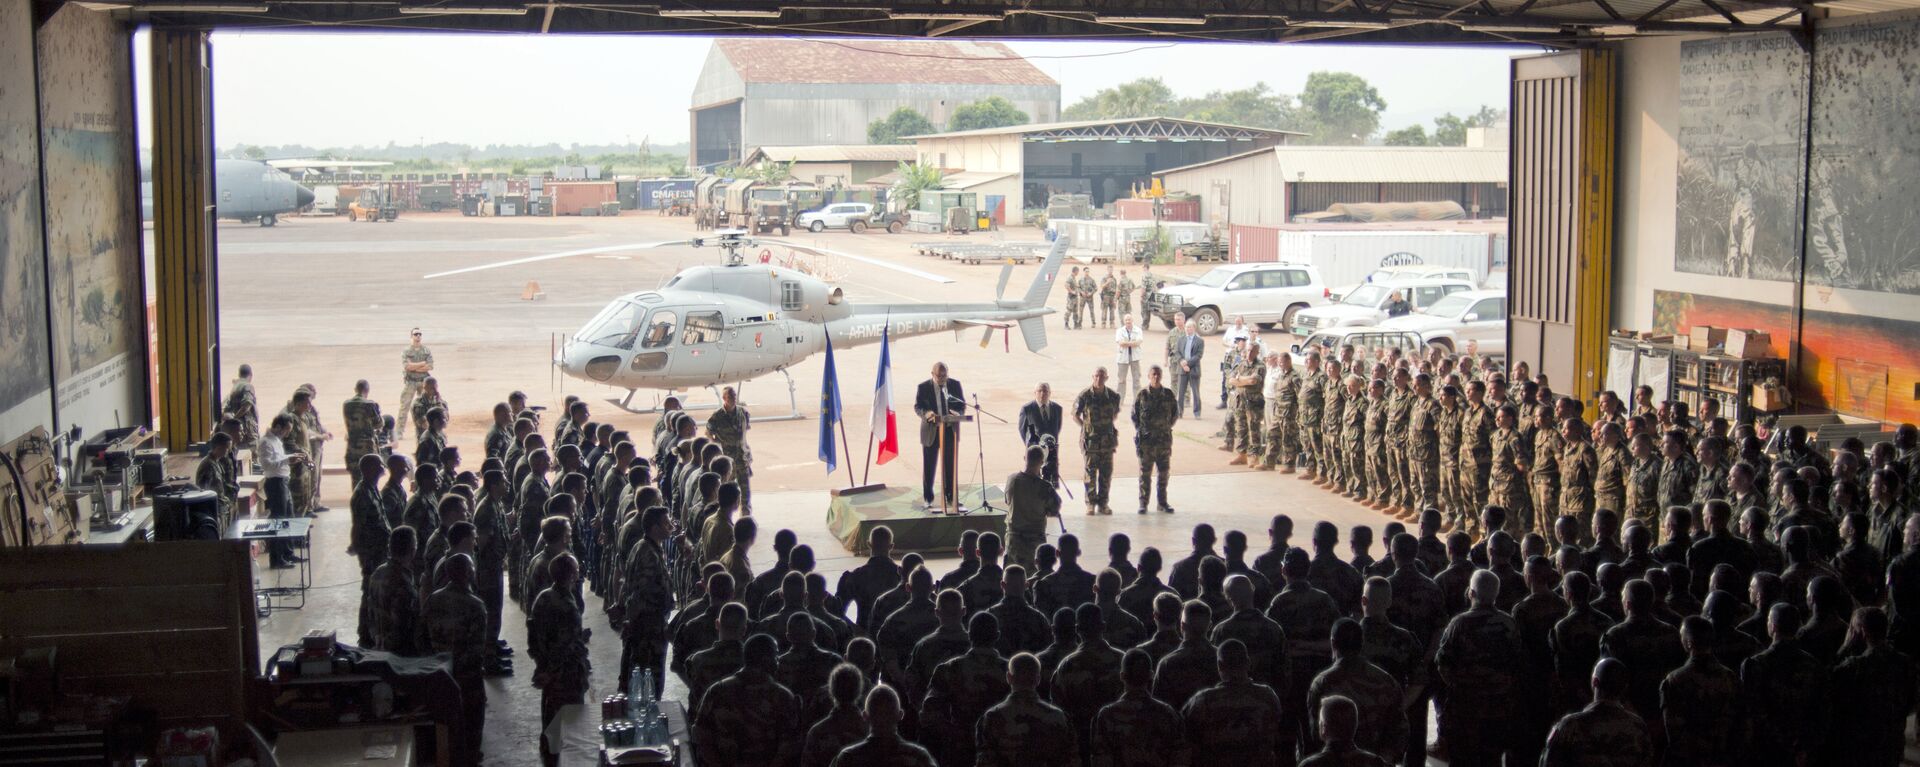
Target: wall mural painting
1743 107
92 218
23 277
1854 364
1862 233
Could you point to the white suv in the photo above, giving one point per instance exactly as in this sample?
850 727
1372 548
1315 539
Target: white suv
840 215
1367 304
1264 294
1409 273
1473 315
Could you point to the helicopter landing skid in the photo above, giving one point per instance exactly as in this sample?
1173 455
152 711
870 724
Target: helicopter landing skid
793 400
626 404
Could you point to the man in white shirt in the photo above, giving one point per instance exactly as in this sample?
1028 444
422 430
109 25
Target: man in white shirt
1234 332
1126 356
275 466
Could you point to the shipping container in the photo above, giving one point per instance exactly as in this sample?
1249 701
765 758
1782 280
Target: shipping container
1170 210
627 191
1346 257
656 193
572 198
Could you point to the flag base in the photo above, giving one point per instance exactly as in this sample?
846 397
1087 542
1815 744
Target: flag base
858 489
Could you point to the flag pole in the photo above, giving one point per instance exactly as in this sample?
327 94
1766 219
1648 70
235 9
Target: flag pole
847 450
868 471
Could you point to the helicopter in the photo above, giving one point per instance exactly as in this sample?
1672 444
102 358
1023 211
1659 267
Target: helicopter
717 324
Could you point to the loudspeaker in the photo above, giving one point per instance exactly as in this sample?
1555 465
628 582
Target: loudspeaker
185 513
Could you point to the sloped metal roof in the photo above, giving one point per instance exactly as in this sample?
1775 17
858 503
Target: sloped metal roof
1131 129
938 62
1376 164
835 153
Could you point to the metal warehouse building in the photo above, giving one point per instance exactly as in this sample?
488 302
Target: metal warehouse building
772 92
1273 186
1104 158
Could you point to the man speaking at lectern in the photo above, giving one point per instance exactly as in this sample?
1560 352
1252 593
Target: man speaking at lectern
939 404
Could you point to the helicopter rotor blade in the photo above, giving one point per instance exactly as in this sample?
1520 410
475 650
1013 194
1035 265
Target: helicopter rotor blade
908 270
555 256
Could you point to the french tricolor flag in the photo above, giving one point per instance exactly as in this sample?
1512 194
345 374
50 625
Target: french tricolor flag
883 421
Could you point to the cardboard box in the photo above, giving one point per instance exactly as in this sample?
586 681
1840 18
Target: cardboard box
1682 343
1768 398
1706 337
1749 344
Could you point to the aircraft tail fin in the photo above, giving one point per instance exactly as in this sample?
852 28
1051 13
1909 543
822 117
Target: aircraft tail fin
1043 283
1034 331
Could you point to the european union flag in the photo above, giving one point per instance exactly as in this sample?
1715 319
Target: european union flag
829 410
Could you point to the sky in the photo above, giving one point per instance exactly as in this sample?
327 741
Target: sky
276 88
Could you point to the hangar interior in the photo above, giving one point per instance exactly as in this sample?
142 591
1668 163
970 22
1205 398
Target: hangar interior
1675 163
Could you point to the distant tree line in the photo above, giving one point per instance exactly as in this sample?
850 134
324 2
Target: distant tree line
990 112
1333 108
1448 129
640 159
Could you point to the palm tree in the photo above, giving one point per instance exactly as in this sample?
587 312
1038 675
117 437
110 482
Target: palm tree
915 179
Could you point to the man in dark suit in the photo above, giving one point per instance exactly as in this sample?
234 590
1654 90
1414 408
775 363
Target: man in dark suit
1187 350
937 398
1040 419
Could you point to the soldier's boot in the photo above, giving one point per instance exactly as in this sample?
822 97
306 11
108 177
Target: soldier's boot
1239 459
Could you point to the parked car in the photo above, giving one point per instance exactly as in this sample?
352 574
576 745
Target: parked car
852 216
1360 337
1472 315
1411 272
1367 304
1264 294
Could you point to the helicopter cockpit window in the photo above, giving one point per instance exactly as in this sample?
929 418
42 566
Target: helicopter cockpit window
617 327
702 328
790 295
660 328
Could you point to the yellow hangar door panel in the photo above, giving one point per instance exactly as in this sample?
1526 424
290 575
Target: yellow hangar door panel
1560 229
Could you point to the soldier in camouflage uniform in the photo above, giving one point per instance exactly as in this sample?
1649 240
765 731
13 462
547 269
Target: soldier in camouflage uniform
961 690
1250 408
1095 410
1149 287
1643 481
728 426
1399 470
1424 446
1123 298
243 405
433 440
457 625
1088 288
1282 393
1239 716
1379 492
395 597
1339 721
1333 398
1477 424
649 600
1353 437
1089 677
1700 701
1109 293
499 439
1155 411
1383 718
1138 730
369 537
748 719
1312 407
1023 729
490 554
883 746
1506 479
1543 473
362 416
1230 395
301 476
1479 656
415 365
1578 464
1612 464
1073 298
1679 472
425 403
1607 732
558 645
